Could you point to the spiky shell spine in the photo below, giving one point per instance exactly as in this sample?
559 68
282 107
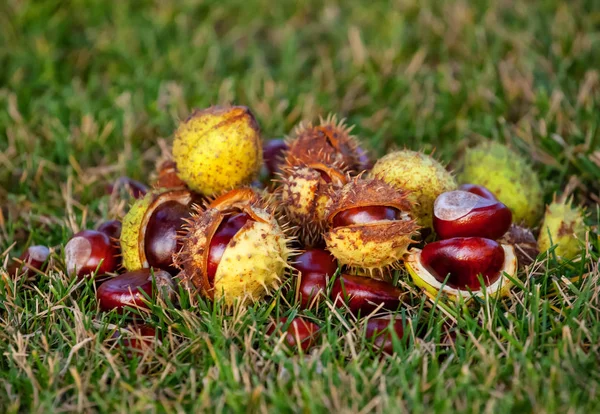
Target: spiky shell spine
508 176
421 175
564 226
329 143
371 247
253 263
304 196
217 149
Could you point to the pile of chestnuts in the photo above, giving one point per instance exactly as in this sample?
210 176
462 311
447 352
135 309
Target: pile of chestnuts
232 217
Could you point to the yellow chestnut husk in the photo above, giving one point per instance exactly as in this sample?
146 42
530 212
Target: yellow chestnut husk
422 175
254 261
376 246
422 277
329 143
135 223
564 227
217 149
304 194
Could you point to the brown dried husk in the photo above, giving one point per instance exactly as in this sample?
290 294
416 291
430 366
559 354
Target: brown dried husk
304 195
328 143
524 242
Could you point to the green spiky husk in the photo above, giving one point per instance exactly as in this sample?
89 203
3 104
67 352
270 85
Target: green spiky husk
564 226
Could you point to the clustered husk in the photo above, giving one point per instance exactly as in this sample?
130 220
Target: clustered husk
329 143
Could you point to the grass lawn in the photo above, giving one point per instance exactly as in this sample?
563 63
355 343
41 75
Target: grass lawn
91 90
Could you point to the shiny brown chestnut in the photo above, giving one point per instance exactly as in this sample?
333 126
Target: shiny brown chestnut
459 261
111 228
141 339
364 295
32 259
479 190
299 333
126 289
315 261
464 214
382 330
311 286
365 215
88 251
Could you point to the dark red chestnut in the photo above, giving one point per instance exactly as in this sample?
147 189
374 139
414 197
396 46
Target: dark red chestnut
135 188
111 228
363 294
461 260
160 240
142 338
379 330
34 257
316 261
88 251
126 289
299 332
464 214
479 190
310 287
364 215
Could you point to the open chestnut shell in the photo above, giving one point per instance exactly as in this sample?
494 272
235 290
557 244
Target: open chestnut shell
149 237
464 214
369 225
456 266
234 249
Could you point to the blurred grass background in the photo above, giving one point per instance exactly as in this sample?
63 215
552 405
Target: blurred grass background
91 90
